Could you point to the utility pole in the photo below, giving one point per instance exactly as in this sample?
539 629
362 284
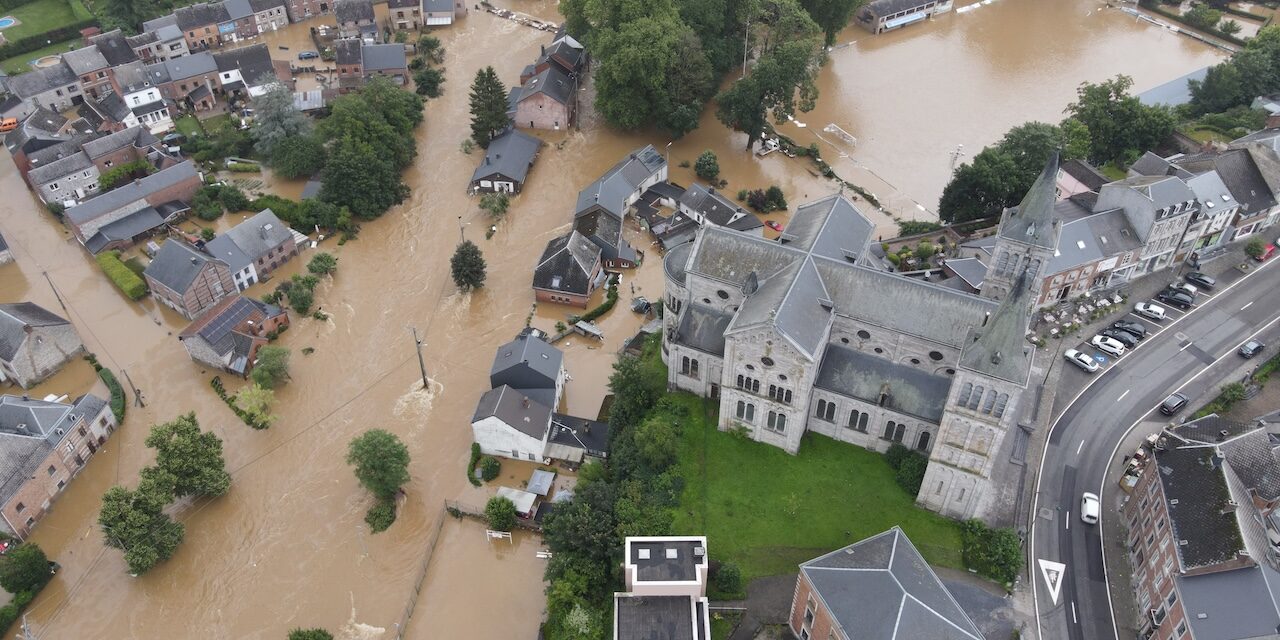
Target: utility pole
137 395
746 45
955 156
421 365
55 291
462 228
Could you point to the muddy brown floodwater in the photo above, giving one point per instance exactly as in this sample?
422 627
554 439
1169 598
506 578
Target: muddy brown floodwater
287 546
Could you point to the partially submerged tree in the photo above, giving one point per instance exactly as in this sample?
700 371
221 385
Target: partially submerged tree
381 462
468 266
488 107
192 457
272 367
134 521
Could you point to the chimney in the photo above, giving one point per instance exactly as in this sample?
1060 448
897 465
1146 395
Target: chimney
985 318
526 402
194 261
586 426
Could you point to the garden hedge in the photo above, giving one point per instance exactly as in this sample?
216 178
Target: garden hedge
123 277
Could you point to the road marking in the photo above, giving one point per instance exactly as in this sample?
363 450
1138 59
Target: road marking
1053 423
1052 572
1246 306
1126 392
1073 613
1185 347
1080 447
1067 522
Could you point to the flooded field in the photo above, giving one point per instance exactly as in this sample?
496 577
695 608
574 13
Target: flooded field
287 546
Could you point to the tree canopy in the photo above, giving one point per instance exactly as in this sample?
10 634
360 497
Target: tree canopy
272 367
467 266
297 156
192 457
134 521
501 513
371 141
310 634
1000 175
1120 127
488 107
381 462
25 568
276 119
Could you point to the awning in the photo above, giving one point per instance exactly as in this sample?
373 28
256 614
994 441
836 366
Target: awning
439 22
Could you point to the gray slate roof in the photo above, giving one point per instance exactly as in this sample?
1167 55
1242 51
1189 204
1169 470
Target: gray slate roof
1246 446
808 229
511 154
655 617
188 66
566 264
85 60
1031 222
15 317
384 57
353 10
125 194
253 62
971 270
1150 164
225 249
882 588
259 234
177 264
703 328
237 9
1192 477
553 82
851 373
1235 604
115 47
571 431
34 83
516 409
200 15
167 20
126 228
29 432
133 136
526 363
712 205
611 190
348 51
59 169
1085 173
1092 238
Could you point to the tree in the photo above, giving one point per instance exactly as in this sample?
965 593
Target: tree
1222 88
272 366
25 568
1255 248
381 462
651 70
206 204
322 264
1119 125
979 189
496 204
360 178
429 48
584 527
127 14
301 299
468 266
501 513
729 578
297 156
488 107
1203 17
275 118
207 234
489 468
310 634
192 457
1229 27
925 250
831 15
636 385
427 81
775 198
707 167
370 142
381 515
232 198
256 401
738 108
133 520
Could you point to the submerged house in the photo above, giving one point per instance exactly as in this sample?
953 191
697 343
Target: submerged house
227 337
879 16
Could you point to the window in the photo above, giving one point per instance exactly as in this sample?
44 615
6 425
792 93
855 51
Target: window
808 612
864 334
976 397
53 186
19 507
766 361
990 404
858 421
1001 403
777 422
61 484
935 356
71 447
826 410
722 294
746 411
922 441
51 470
688 366
1173 598
781 394
748 384
965 391
1182 629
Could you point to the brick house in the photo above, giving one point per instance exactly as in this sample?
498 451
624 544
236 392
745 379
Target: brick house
75 177
134 208
43 446
666 582
1200 518
299 10
201 24
228 336
34 343
405 14
880 589
547 100
356 20
189 80
187 280
568 272
357 61
254 248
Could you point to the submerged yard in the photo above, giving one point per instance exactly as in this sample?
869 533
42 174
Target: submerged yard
768 511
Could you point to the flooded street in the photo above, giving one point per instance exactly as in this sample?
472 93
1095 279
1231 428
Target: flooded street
287 546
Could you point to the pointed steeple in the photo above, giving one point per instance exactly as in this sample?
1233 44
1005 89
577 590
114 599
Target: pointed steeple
1032 221
998 347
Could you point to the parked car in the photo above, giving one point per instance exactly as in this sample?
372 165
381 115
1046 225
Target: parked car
1123 337
1179 299
1173 404
308 55
1149 311
1109 346
1089 508
8 124
1201 280
1134 328
773 225
1251 349
1082 360
1267 252
1190 289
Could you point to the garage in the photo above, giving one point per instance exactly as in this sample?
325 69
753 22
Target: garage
437 21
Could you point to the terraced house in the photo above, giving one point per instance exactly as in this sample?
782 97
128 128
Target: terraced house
808 333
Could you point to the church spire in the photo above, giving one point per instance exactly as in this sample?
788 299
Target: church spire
1032 221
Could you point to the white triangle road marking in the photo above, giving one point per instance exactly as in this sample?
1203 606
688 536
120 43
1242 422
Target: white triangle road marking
1052 572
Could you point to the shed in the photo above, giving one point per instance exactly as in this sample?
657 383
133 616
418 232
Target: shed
540 482
523 500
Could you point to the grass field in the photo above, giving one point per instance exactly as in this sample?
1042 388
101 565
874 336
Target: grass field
769 511
42 15
21 64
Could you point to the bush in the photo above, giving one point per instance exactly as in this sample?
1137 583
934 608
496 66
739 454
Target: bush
489 468
911 473
124 278
117 392
381 515
1203 16
244 167
207 204
896 455
707 167
272 367
323 264
495 204
309 634
925 250
233 199
742 195
471 466
501 513
775 199
1255 247
994 553
207 234
610 299
756 199
728 578
24 569
121 174
913 227
893 258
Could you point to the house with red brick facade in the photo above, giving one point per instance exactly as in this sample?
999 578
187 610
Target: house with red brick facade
1201 524
187 280
228 336
877 589
548 100
43 446
666 596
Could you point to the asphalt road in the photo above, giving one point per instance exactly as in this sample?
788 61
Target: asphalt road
1199 344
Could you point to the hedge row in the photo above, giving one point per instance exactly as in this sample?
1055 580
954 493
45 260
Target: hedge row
611 298
10 612
117 393
128 282
1154 8
41 40
244 416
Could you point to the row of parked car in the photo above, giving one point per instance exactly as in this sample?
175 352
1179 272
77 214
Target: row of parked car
1123 335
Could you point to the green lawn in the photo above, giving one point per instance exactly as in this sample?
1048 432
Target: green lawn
769 511
21 64
188 126
40 16
1112 171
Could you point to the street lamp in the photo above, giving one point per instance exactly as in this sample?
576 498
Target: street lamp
669 155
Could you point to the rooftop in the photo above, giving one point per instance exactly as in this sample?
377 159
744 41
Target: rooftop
1197 495
15 320
510 154
666 559
655 617
177 264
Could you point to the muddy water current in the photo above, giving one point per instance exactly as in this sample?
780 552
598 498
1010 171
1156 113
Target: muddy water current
287 546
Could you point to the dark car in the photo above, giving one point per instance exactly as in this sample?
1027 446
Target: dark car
1200 280
308 55
1136 329
1123 337
1251 349
1179 299
1173 404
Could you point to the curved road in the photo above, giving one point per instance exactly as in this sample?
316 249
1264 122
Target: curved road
1191 352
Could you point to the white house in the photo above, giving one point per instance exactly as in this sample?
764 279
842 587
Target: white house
510 424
